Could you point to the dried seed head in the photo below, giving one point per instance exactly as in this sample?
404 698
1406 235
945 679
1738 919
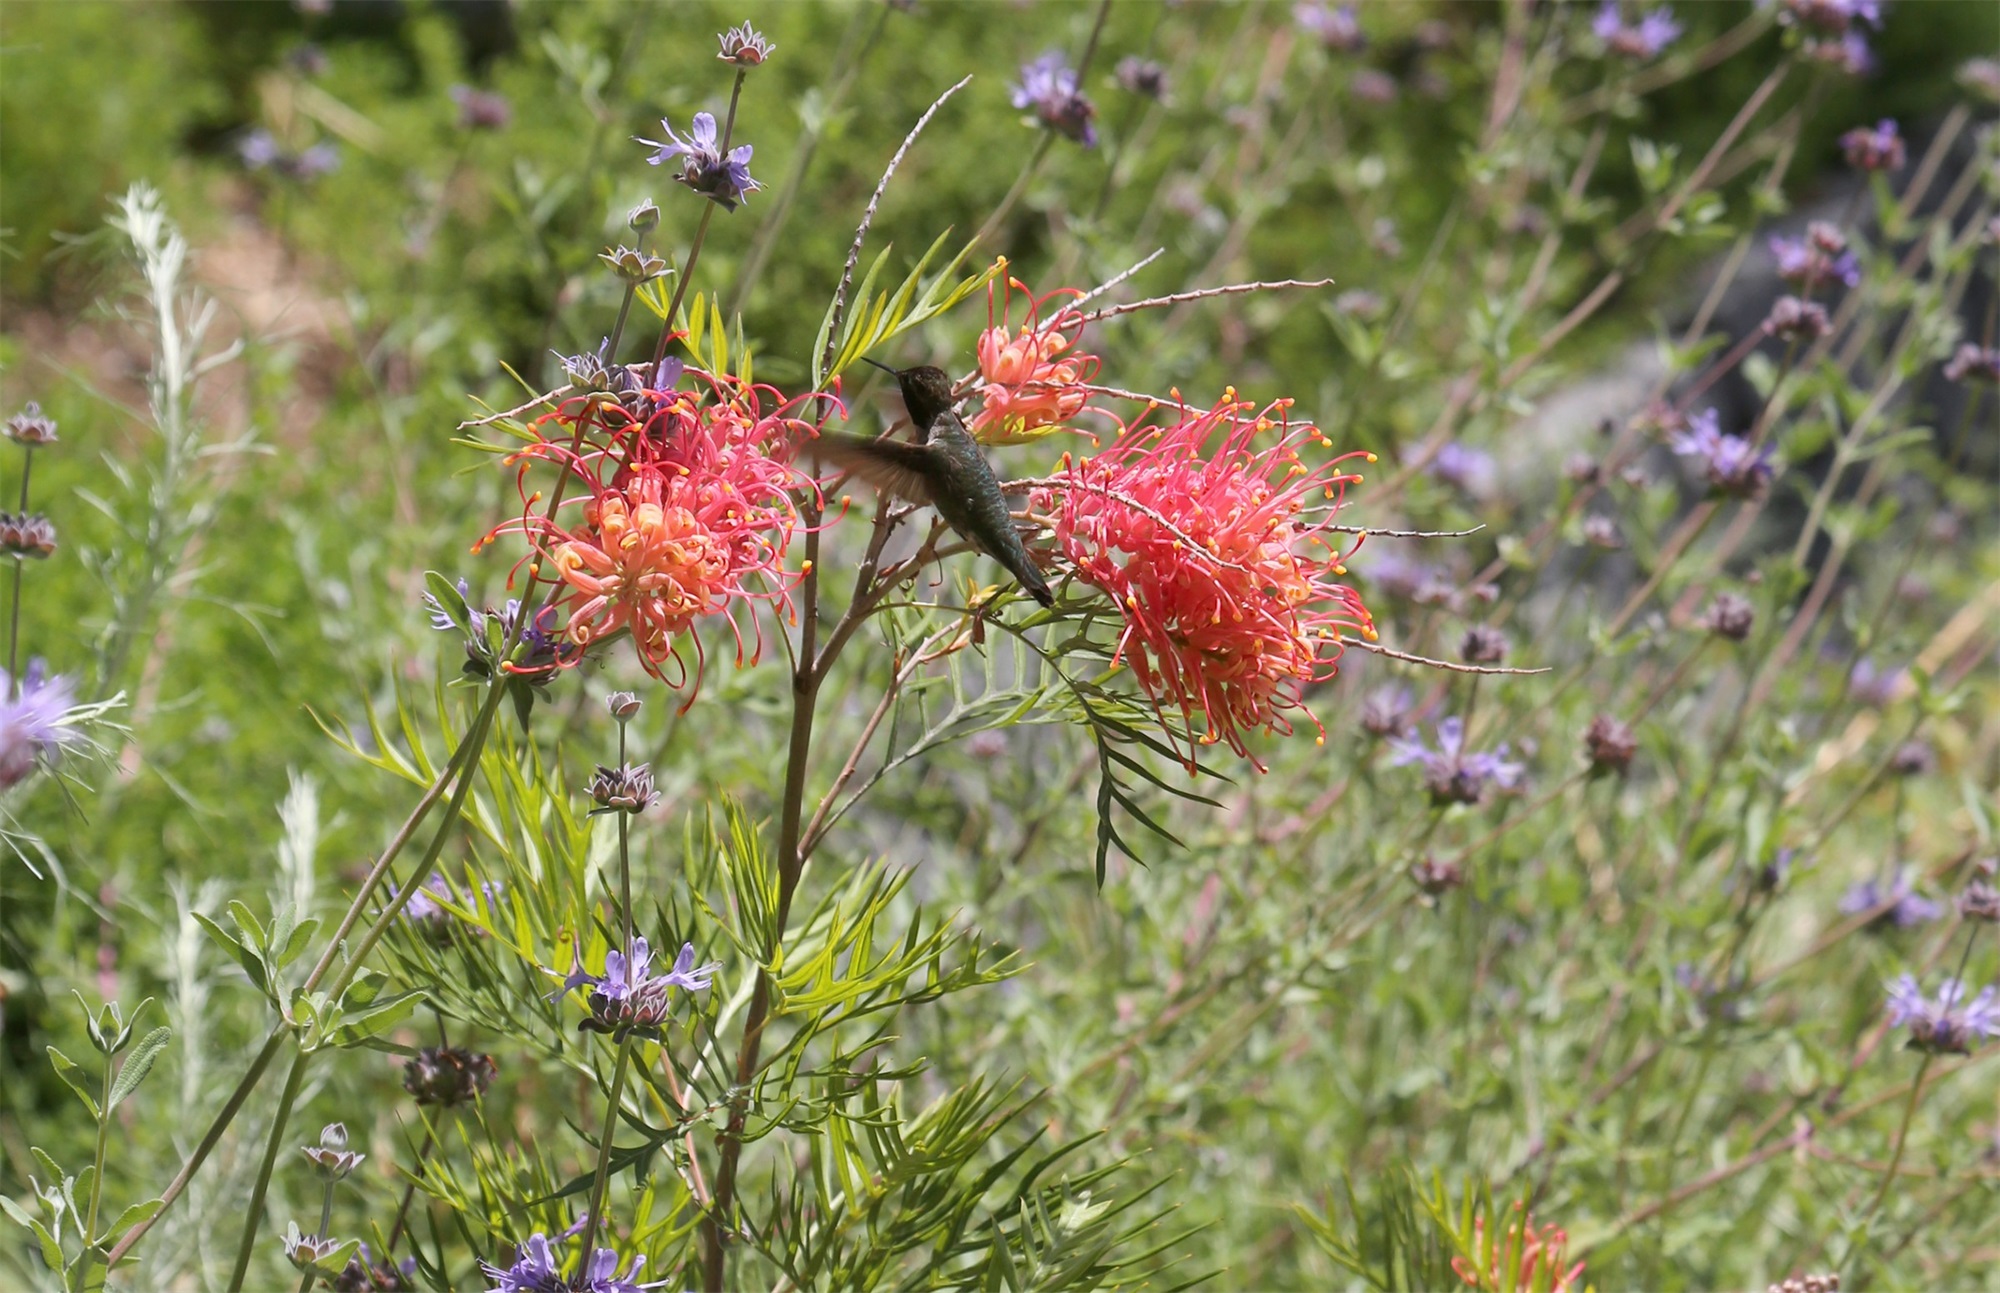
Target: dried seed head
27 534
1730 616
1610 745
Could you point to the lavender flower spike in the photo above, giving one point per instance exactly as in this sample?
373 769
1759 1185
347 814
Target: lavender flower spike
723 180
628 996
536 1269
1452 774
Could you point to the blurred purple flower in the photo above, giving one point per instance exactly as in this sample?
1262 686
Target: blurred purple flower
1336 27
1945 1024
1877 149
1731 465
1142 76
1372 85
1453 774
1471 471
1642 40
1396 575
724 181
1871 684
481 109
1973 363
1793 319
1821 256
32 723
1903 908
258 149
1848 53
1048 86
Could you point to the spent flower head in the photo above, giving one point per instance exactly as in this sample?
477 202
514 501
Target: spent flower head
1974 363
28 535
1980 901
1730 616
1142 76
1610 745
627 788
1385 711
1946 1024
1483 644
1877 148
724 181
448 1075
744 46
1818 258
331 1158
1210 535
30 427
367 1273
1795 319
1048 86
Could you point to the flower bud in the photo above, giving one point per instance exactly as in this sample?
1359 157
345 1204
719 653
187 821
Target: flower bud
644 218
633 266
623 705
331 1157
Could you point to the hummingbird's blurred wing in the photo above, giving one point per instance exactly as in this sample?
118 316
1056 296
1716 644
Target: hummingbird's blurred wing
891 466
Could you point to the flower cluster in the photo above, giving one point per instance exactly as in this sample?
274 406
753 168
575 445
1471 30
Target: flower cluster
1734 466
1452 773
1946 1024
627 996
260 150
367 1273
1640 40
686 510
1034 380
1973 363
481 109
537 1269
1832 30
724 181
1216 551
1048 86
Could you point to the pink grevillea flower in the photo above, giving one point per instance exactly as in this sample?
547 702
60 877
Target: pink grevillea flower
686 512
1547 1247
1034 380
1211 536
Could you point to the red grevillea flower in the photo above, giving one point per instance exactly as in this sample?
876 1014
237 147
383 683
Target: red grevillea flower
1034 380
1548 1245
686 511
1211 536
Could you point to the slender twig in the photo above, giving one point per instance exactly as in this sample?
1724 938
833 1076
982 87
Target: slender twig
1860 1241
601 1182
1377 648
1177 298
14 612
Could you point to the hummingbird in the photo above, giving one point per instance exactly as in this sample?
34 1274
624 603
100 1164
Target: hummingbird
946 471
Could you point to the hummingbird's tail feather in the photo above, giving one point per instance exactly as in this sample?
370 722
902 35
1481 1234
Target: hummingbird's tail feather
1022 566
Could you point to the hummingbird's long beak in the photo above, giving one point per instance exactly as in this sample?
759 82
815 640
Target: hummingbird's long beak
884 367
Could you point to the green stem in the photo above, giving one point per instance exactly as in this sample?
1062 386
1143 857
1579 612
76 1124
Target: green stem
700 232
14 614
601 1184
253 1218
1854 1249
325 1223
97 1163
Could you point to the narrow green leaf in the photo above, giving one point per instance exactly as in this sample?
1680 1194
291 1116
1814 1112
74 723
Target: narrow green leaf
76 1079
138 1065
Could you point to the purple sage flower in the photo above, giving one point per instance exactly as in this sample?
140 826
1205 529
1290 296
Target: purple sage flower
1901 905
1829 17
33 723
1048 86
627 996
1453 774
537 1269
724 181
1947 1023
1385 711
1731 465
1641 40
367 1273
